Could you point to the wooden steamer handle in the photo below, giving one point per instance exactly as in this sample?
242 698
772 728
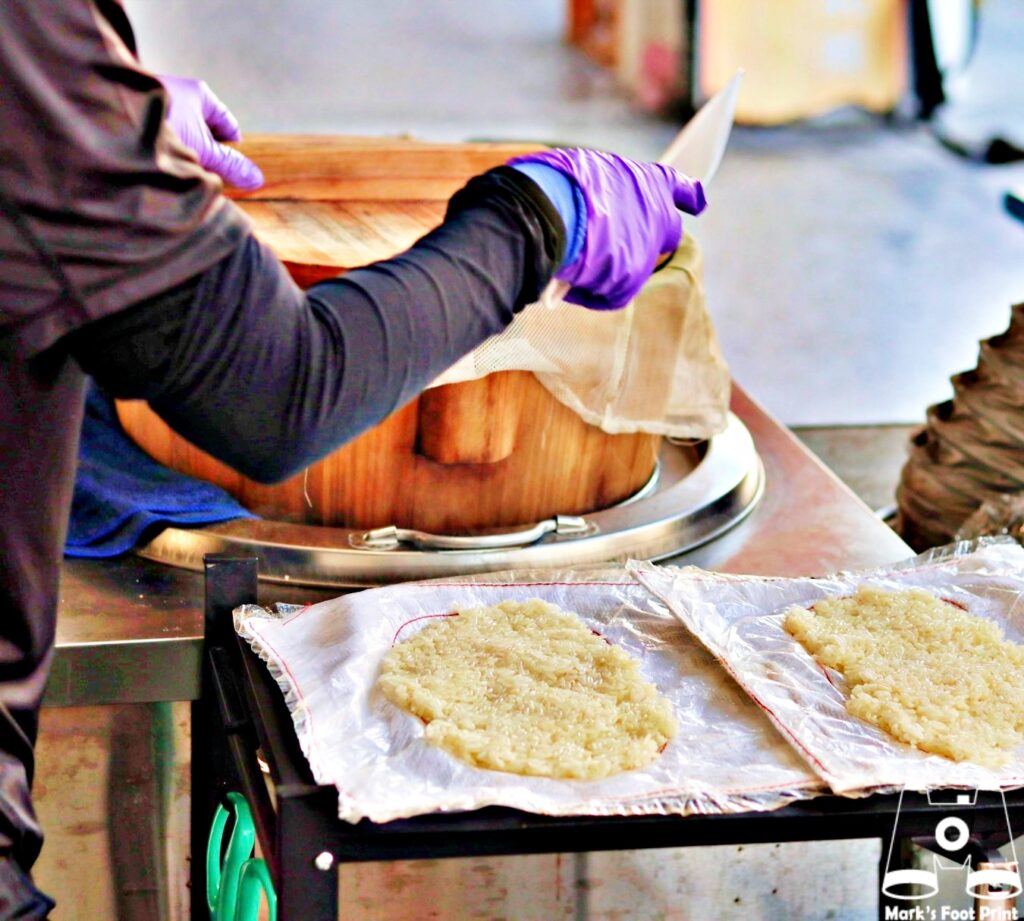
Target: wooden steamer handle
475 422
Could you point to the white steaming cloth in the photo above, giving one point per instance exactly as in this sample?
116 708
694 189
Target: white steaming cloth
726 756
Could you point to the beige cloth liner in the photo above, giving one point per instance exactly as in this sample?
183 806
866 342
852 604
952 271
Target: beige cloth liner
655 366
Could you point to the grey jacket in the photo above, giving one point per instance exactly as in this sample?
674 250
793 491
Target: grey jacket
100 205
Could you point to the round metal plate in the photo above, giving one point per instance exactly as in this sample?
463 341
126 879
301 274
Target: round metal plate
699 493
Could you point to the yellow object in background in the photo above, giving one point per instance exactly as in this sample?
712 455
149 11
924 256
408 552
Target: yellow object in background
803 57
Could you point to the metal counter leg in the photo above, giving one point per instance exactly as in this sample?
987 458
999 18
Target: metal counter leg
136 816
230 581
309 877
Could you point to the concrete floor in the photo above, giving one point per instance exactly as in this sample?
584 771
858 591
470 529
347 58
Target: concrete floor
868 458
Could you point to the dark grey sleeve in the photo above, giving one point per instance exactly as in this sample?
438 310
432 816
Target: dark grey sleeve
269 378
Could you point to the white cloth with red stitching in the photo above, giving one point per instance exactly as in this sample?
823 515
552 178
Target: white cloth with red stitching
726 756
739 619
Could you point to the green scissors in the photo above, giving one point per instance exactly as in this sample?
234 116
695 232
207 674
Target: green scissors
236 884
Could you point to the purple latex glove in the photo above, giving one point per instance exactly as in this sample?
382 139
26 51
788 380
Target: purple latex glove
631 221
201 121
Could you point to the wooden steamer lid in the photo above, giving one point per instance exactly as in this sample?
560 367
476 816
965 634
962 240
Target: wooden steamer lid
492 453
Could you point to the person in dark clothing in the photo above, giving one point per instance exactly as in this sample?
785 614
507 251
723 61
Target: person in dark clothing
121 260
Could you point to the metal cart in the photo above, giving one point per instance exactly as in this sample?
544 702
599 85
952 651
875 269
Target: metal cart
243 740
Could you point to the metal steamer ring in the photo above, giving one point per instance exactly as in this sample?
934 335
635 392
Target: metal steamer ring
683 506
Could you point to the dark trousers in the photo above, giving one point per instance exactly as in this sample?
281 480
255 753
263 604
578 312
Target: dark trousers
41 408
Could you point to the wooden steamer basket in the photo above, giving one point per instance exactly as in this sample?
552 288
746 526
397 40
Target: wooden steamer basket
486 454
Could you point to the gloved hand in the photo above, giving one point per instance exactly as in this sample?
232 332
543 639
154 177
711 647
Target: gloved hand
623 216
201 121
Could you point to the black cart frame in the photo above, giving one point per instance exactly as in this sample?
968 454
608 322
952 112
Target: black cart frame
243 739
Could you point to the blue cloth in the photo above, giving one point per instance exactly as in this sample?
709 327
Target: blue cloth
568 200
121 493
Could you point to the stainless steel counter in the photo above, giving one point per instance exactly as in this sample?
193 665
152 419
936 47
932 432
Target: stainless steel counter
130 631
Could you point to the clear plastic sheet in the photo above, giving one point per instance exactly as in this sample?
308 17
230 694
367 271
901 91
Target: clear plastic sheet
725 758
739 619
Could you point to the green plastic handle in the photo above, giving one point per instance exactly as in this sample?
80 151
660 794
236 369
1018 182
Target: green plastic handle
255 882
213 844
222 877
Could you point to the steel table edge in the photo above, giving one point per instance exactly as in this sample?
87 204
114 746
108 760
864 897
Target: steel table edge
101 673
498 831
